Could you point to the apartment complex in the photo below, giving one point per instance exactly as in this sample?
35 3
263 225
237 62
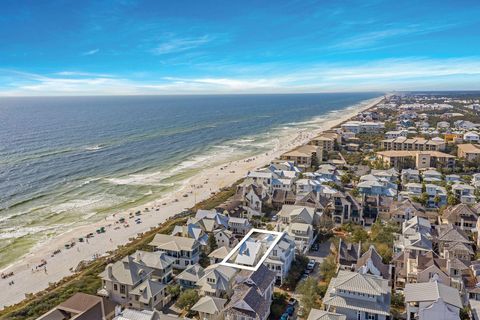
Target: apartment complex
413 144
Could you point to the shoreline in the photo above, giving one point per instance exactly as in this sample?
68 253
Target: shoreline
197 188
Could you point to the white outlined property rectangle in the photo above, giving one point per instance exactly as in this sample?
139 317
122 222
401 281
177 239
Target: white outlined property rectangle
242 242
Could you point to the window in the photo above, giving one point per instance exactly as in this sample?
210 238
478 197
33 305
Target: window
122 289
115 287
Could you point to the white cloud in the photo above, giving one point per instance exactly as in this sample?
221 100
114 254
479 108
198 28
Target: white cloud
180 44
385 75
90 52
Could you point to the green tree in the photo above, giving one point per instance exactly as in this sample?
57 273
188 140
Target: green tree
279 303
187 299
212 243
452 200
359 235
385 251
295 272
173 290
309 290
328 268
315 162
346 178
398 300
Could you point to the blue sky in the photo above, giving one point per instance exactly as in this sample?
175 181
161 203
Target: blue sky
175 47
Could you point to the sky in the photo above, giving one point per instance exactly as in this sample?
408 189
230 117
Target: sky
204 47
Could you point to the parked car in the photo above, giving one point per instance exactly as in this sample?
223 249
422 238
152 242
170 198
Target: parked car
292 302
290 310
314 247
284 316
311 264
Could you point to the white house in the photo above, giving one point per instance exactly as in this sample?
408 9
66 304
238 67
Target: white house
432 300
471 137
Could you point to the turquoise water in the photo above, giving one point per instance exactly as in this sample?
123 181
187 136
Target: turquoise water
66 161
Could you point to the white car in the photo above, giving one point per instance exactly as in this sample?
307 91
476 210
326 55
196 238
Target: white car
311 264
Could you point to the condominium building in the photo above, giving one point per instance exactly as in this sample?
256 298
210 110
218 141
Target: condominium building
413 144
468 151
416 159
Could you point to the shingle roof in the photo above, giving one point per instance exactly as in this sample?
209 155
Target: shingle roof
147 290
192 273
373 256
316 314
209 305
262 277
126 271
451 233
431 291
173 243
353 281
219 253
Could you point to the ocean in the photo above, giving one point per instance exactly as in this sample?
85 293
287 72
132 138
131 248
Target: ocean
67 161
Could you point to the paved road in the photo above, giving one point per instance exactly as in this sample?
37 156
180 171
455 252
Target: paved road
318 256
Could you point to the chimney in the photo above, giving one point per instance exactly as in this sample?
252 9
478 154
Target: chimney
109 271
139 256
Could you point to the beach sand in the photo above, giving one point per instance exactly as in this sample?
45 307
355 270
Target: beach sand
198 188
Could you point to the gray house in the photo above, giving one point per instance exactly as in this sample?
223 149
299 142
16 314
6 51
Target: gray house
358 296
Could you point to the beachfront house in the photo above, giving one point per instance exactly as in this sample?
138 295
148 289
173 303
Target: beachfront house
138 280
304 155
362 127
82 306
185 251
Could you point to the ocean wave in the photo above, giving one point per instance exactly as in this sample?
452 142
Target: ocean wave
10 233
153 179
96 147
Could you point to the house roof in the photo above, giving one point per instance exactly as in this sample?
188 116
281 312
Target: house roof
131 314
372 260
192 273
222 275
173 243
316 314
248 296
155 260
147 290
219 253
209 305
126 271
262 278
432 291
468 148
248 253
360 305
348 252
362 283
451 233
300 227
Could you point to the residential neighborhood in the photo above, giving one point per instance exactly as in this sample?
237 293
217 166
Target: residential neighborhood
376 218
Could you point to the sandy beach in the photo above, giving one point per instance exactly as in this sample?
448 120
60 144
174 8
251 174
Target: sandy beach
29 278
